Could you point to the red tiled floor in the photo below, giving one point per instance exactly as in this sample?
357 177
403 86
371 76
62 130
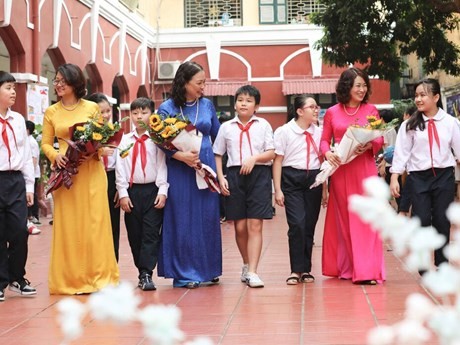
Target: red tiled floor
329 311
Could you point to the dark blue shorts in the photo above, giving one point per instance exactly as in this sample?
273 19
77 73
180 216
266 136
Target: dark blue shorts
250 195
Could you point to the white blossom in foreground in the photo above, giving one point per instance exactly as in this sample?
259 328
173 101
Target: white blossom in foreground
115 303
375 189
443 282
381 335
161 324
453 213
411 332
415 245
200 341
446 323
452 251
421 245
419 307
121 304
406 228
71 313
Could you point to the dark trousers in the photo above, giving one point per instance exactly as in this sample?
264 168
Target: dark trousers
33 211
143 225
302 206
114 211
405 196
13 227
431 195
388 180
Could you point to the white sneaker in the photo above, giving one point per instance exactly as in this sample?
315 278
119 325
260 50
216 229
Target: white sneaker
253 280
33 230
244 273
22 287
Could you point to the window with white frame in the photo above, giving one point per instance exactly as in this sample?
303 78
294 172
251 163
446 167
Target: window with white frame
287 11
204 13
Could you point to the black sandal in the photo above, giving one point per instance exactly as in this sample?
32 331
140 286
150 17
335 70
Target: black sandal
293 279
307 278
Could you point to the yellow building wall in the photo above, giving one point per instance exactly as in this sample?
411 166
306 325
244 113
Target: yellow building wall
172 13
250 12
165 14
448 80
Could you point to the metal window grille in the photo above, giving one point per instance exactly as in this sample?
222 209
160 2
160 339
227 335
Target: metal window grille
299 10
202 13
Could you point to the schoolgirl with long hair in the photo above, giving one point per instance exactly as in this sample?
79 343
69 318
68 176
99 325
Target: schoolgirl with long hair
424 145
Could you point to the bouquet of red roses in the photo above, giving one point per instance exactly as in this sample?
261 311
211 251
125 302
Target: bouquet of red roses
87 138
173 133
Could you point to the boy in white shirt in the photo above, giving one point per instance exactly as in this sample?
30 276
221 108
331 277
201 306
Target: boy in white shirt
17 191
248 141
142 186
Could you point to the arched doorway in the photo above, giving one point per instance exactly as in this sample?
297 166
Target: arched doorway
120 92
93 79
4 57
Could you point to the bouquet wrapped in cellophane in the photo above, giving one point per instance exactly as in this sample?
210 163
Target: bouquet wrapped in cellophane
354 136
86 139
177 133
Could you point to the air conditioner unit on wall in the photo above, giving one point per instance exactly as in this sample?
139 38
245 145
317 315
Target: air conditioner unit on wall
167 69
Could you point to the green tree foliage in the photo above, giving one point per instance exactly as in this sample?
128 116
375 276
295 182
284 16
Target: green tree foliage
401 105
378 33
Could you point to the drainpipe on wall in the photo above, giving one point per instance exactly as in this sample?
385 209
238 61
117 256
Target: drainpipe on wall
36 51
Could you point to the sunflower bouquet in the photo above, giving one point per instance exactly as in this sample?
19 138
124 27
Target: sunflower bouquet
96 130
177 133
374 123
86 139
354 136
163 131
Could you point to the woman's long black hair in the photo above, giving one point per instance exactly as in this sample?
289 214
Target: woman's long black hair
416 120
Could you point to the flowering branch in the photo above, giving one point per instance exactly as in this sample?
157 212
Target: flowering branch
120 304
415 244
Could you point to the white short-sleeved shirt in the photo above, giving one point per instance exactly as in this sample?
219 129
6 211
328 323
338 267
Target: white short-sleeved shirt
21 158
290 142
412 148
228 140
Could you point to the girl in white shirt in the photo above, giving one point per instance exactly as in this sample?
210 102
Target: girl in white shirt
424 145
296 165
